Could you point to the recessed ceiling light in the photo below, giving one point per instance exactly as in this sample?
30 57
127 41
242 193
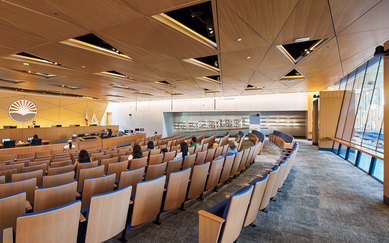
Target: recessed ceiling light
302 39
83 66
248 57
239 39
26 63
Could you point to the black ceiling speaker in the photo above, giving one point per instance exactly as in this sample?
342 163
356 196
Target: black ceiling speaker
380 50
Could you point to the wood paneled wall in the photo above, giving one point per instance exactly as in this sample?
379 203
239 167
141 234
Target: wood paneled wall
53 110
386 124
329 109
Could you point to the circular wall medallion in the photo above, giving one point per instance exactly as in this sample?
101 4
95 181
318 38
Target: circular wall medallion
22 111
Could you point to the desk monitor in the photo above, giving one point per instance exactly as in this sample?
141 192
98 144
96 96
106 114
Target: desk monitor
94 134
86 134
5 140
131 131
136 129
36 126
81 135
74 135
29 139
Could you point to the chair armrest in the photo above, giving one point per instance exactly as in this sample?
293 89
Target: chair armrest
28 206
78 194
283 156
246 184
8 236
82 218
260 176
227 196
209 226
267 169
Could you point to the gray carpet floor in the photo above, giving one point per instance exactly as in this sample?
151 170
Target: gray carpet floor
324 199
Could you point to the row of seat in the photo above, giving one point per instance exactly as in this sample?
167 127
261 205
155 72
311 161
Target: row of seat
202 177
282 139
224 221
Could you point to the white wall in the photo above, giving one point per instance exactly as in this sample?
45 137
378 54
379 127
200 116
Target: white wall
149 114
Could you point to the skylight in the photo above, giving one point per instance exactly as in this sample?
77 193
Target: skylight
297 51
209 62
252 87
294 74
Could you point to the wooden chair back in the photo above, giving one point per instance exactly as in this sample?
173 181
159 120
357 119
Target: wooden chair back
2 178
250 156
210 155
42 167
271 181
81 166
145 209
10 208
245 156
198 180
105 162
7 174
138 163
28 186
60 163
200 158
169 156
117 168
42 153
177 188
38 174
107 209
256 198
279 179
56 151
8 157
228 161
235 165
59 170
154 171
123 158
155 159
214 173
131 177
173 166
51 197
55 225
26 155
17 166
191 150
93 172
218 152
145 154
155 152
57 179
189 161
39 162
204 147
93 186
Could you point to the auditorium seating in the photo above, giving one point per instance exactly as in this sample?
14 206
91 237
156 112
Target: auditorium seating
51 197
282 139
173 181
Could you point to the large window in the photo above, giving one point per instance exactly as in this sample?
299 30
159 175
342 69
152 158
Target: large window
361 116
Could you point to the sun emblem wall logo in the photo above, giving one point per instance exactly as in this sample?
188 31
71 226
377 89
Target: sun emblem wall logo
22 111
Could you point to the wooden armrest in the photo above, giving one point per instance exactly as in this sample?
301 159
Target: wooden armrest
267 169
260 176
115 186
82 218
8 236
246 184
283 156
274 164
280 160
28 206
131 202
228 196
209 226
36 187
78 194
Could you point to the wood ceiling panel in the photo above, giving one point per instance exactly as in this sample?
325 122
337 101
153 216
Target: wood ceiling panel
265 17
260 80
310 18
43 25
275 64
98 14
196 71
173 70
181 45
152 7
322 66
233 69
15 38
6 51
138 40
346 12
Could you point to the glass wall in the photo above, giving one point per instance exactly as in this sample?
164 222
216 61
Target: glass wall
361 117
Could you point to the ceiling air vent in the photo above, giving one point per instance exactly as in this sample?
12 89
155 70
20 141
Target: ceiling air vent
297 51
292 75
44 75
27 57
209 62
115 74
120 86
174 93
143 93
165 83
212 79
252 87
210 91
11 81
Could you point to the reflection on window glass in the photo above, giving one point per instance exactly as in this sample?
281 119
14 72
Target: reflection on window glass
364 101
348 127
380 143
364 162
335 147
348 94
376 113
352 154
342 151
378 171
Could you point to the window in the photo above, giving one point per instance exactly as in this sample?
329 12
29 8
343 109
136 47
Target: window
364 162
378 171
342 151
352 154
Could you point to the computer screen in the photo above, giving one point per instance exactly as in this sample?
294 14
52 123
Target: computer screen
86 134
136 129
5 140
94 134
74 135
29 138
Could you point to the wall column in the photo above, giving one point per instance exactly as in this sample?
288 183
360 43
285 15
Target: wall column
386 125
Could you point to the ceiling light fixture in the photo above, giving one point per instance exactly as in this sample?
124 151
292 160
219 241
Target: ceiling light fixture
26 63
239 39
